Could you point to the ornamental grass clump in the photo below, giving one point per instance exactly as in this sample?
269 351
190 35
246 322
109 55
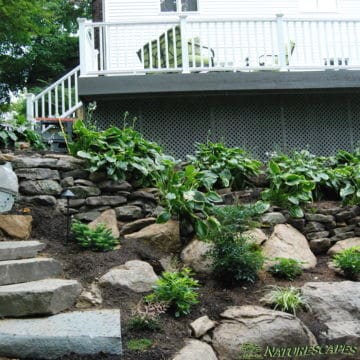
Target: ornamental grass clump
98 239
286 268
285 299
348 261
177 289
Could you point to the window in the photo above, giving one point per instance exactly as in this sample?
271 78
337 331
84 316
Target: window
184 5
319 5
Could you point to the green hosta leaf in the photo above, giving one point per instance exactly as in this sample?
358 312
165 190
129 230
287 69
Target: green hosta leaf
163 217
261 207
213 196
347 190
274 167
293 179
294 200
225 177
84 155
296 212
201 229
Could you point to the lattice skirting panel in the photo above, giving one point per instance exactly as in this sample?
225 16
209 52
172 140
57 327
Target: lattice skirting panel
259 123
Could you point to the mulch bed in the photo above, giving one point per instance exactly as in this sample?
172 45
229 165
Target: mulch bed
87 266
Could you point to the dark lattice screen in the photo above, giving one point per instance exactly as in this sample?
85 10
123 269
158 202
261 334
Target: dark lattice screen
260 124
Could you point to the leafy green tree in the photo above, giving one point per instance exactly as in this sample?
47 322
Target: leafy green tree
38 41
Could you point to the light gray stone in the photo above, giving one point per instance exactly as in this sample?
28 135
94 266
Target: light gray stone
337 306
196 350
34 162
287 242
85 191
342 236
106 201
260 326
81 332
67 182
273 218
113 186
90 297
88 216
195 255
20 271
38 174
136 225
256 236
48 296
135 275
13 250
84 182
319 218
40 187
143 195
342 245
201 326
128 212
320 246
342 230
313 226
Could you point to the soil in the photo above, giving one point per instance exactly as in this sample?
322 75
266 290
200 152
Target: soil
87 266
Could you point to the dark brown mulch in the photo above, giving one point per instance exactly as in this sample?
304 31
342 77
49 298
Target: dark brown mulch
87 266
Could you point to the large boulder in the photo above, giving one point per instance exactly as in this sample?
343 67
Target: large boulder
135 275
287 242
196 350
259 326
17 226
196 256
108 218
343 245
164 237
337 306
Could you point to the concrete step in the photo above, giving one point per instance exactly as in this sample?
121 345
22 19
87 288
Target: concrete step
13 250
21 271
81 332
43 297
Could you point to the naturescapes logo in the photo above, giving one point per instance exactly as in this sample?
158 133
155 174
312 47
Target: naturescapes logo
250 351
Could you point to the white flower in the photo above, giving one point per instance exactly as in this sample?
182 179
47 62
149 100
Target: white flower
189 195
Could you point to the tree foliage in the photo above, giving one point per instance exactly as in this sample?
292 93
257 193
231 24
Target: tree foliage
38 41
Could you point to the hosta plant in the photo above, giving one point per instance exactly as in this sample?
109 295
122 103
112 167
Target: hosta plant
233 167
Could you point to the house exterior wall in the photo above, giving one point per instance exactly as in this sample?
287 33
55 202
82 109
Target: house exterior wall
118 10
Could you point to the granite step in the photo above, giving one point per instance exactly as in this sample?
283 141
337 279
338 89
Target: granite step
25 270
14 250
80 332
42 297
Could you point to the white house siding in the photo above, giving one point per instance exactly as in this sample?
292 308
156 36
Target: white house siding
235 42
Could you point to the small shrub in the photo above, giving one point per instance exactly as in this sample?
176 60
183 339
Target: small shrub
98 239
178 289
285 268
348 261
235 258
233 167
146 316
139 344
285 299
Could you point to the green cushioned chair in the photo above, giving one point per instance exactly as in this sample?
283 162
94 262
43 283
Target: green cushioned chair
174 52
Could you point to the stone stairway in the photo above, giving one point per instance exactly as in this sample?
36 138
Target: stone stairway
30 286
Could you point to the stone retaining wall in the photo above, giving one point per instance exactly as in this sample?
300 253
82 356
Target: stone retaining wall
42 180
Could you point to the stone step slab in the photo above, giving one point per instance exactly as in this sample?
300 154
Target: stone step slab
43 297
21 271
81 332
14 250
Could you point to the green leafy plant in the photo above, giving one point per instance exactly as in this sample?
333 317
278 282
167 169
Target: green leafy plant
139 344
123 154
285 299
348 261
179 194
286 268
178 289
235 257
233 167
98 239
146 316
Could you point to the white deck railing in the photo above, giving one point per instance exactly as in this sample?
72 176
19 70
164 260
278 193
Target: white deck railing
277 43
59 100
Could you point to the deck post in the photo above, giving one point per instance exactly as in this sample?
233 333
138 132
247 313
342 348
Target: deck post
82 46
281 41
184 44
30 107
